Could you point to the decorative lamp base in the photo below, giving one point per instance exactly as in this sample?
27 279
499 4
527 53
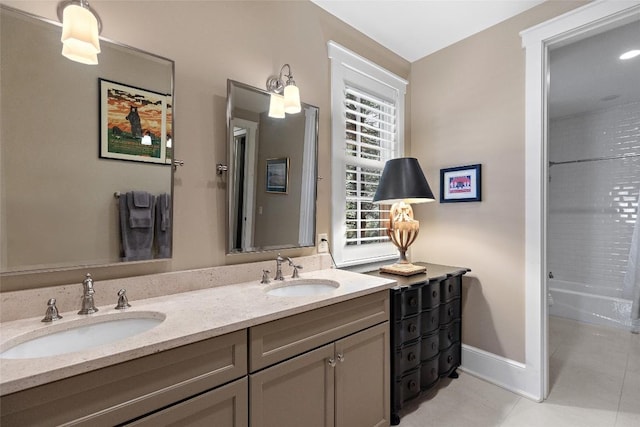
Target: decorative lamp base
403 269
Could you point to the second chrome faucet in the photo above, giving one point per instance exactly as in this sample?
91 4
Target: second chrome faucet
88 305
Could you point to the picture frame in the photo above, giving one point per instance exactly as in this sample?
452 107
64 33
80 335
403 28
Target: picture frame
135 123
277 175
461 184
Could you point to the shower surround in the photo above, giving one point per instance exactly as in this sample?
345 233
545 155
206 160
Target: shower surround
593 202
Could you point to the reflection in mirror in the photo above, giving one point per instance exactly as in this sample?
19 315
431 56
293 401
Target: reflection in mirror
59 150
272 173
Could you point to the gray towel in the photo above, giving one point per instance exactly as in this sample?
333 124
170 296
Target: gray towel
163 226
137 242
140 208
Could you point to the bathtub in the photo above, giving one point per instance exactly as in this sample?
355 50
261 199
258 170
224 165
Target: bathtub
588 304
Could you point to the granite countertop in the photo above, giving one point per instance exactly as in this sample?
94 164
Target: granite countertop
189 317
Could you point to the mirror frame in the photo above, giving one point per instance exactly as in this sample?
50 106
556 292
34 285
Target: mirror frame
73 265
229 170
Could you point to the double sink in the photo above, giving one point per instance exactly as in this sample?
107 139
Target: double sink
96 330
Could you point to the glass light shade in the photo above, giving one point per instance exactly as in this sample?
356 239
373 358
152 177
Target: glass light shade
80 35
77 52
292 99
276 106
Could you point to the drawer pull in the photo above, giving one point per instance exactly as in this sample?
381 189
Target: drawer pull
434 294
450 311
413 302
412 328
449 359
450 288
412 385
450 336
332 362
411 357
340 357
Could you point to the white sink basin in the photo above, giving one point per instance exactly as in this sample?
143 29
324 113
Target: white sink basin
81 334
302 288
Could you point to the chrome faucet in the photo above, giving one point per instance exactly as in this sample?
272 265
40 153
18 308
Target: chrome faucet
279 275
88 306
295 274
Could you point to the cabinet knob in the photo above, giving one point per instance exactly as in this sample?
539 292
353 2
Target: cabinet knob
413 302
450 288
449 359
434 294
412 327
340 357
450 311
450 336
411 357
412 385
332 362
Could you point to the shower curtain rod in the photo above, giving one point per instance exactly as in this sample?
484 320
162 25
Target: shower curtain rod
595 159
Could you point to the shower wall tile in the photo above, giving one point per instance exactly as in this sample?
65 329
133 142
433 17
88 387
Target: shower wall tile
593 205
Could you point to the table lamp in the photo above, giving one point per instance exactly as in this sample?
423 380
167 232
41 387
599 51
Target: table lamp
402 183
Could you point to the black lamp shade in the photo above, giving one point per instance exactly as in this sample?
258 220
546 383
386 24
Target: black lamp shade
403 179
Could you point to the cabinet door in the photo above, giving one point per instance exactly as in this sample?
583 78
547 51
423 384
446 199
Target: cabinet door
362 378
294 393
225 406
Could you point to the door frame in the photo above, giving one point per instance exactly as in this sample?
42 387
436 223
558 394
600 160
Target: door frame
536 41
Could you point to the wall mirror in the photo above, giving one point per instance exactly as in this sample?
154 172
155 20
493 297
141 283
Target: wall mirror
59 204
272 170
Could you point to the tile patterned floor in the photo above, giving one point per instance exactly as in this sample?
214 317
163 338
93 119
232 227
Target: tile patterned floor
594 381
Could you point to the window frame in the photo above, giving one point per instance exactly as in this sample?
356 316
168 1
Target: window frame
349 69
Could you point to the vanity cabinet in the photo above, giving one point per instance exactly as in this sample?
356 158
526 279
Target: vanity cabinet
426 331
326 367
127 391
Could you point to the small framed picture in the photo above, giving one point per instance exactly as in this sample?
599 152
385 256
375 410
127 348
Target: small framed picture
278 175
135 124
460 184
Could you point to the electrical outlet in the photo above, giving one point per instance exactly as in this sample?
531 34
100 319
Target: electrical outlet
323 243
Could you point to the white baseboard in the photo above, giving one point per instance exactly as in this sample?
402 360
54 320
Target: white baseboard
506 373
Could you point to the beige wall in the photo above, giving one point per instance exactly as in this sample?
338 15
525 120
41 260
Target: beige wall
212 41
468 107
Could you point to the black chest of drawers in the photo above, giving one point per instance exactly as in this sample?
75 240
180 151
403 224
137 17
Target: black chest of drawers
426 330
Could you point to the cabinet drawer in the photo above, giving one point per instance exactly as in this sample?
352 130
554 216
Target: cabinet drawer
449 359
407 387
450 311
429 373
407 357
281 339
429 320
429 345
225 406
406 302
449 334
450 288
430 295
407 329
125 391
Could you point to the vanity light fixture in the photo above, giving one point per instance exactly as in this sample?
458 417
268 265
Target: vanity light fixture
402 183
630 54
290 102
81 27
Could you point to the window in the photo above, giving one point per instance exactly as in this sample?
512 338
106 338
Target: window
367 130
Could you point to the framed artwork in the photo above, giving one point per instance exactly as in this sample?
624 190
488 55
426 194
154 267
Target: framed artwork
460 184
278 175
135 124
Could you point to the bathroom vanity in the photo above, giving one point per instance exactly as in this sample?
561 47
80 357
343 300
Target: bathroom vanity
231 355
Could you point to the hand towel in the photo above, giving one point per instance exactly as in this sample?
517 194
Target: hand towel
163 226
137 242
140 209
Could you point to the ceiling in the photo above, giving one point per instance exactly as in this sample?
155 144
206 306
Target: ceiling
585 72
414 29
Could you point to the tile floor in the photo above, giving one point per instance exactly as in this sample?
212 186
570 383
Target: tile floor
594 381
